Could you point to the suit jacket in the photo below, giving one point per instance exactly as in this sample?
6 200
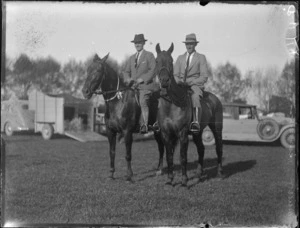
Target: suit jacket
145 69
197 73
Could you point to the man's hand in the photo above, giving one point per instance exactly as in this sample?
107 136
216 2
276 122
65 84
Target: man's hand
129 82
139 81
181 83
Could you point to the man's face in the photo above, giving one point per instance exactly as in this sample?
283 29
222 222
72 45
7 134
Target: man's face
190 47
139 46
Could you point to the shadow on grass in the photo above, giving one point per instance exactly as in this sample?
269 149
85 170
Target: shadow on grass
276 143
210 168
228 170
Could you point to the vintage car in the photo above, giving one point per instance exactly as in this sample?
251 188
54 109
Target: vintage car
15 116
242 123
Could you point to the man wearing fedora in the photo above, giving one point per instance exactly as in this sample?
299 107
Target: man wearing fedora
191 69
140 69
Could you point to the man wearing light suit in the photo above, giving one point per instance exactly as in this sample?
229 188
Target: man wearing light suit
191 69
140 69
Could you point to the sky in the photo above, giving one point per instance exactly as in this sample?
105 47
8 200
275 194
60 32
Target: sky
248 36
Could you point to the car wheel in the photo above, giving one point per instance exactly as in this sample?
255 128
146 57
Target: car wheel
47 131
287 138
267 129
8 129
208 138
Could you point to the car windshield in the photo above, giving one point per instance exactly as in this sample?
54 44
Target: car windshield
245 113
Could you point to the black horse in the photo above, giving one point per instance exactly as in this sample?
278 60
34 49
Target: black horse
175 116
122 109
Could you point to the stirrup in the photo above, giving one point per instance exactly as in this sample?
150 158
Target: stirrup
142 130
195 127
156 127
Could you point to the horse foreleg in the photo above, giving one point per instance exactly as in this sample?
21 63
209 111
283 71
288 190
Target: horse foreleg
184 143
160 144
169 157
128 144
112 151
200 149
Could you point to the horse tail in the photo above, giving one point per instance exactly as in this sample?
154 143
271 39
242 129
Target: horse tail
218 114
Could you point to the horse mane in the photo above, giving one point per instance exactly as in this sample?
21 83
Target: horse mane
177 93
115 67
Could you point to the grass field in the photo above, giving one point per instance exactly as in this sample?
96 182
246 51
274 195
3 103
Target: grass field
65 181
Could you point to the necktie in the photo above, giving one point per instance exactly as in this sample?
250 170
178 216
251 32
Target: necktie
187 66
136 59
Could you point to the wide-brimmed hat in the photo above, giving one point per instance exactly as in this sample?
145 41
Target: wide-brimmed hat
138 38
191 38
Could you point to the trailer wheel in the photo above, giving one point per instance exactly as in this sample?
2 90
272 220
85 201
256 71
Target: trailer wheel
8 129
47 131
267 129
208 138
287 138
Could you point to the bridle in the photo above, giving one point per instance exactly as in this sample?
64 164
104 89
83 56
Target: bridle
166 69
117 91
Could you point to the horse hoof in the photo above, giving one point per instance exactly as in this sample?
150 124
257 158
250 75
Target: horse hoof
129 180
220 176
159 172
184 185
170 183
201 177
111 178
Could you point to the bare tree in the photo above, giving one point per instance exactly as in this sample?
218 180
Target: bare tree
226 82
260 85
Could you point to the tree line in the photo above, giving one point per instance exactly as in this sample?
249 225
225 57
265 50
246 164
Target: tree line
256 87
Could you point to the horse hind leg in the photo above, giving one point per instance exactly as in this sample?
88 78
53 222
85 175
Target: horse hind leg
184 143
200 149
160 144
217 132
128 144
112 151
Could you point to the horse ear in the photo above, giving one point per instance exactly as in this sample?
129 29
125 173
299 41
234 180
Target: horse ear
170 50
96 58
105 57
158 48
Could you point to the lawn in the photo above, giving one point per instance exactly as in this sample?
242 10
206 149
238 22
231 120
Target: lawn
65 181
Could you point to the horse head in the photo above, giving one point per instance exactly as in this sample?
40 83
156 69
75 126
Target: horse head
96 72
164 65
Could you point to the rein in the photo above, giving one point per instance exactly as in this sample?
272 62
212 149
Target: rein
117 91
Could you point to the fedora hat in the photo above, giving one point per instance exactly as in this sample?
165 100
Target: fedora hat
138 38
191 38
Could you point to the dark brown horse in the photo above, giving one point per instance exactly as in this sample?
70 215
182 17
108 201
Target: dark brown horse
175 116
122 110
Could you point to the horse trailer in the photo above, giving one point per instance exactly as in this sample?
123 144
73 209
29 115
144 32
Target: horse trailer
63 114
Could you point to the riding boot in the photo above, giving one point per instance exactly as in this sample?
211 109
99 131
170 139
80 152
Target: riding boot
144 125
195 126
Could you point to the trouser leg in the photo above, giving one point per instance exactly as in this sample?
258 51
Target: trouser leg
144 102
197 110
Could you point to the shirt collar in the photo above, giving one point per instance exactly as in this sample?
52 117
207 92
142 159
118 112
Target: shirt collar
187 54
140 53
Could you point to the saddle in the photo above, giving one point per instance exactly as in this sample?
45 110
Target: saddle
153 108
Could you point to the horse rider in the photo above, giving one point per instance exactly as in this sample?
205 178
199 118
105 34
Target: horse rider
140 69
191 69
